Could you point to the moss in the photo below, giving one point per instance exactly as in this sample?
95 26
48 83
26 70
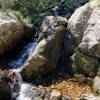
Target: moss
84 64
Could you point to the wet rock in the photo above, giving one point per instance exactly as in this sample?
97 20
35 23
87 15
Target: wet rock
55 95
15 82
84 64
84 25
10 31
45 56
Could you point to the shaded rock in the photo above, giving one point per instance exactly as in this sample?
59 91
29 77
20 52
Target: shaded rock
55 95
45 56
84 64
84 25
10 31
5 91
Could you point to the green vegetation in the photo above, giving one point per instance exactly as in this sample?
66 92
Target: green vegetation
19 15
26 10
34 8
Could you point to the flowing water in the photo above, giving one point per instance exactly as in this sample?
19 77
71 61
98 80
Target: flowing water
23 55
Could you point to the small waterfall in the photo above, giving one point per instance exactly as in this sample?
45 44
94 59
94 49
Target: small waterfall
23 56
21 90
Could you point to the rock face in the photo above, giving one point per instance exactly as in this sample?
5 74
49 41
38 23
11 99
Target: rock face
45 57
10 31
84 25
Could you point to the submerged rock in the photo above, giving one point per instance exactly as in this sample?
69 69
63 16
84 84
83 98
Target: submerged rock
84 25
10 31
45 56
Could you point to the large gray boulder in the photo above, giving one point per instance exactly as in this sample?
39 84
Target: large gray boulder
45 57
84 25
10 31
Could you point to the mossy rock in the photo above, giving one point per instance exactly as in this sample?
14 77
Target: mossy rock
84 64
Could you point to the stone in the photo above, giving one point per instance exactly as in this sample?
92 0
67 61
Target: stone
84 26
45 56
11 30
55 95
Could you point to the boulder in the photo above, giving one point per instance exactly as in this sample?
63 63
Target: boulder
45 56
84 64
10 31
84 25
